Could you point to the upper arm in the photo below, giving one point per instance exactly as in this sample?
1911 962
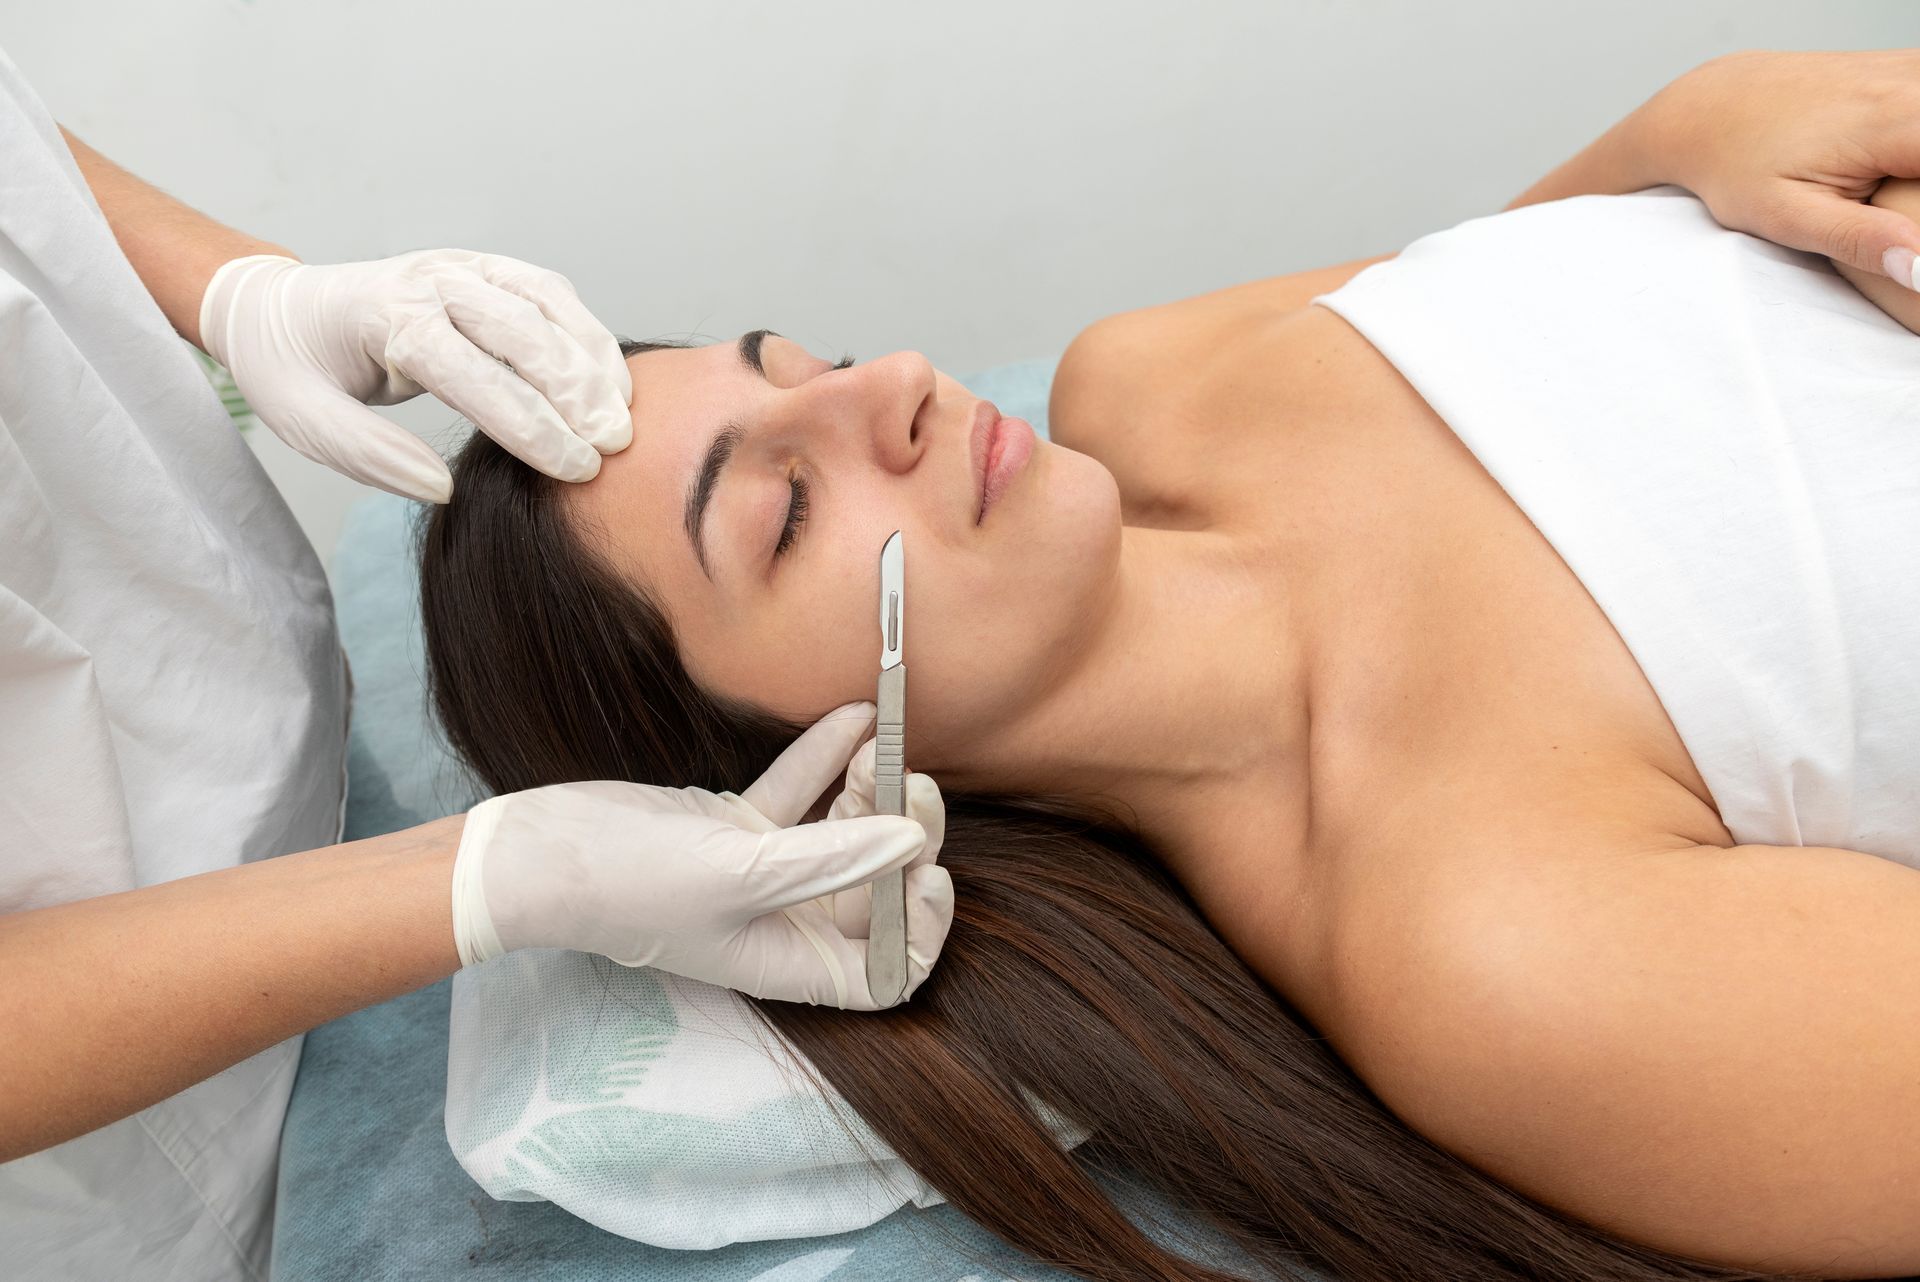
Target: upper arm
1714 1051
1902 195
1117 382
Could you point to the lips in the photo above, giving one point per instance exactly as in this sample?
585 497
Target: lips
985 415
1009 446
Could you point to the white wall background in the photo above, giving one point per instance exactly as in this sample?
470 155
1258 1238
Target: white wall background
976 181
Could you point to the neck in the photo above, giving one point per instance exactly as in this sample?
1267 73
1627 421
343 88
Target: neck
1183 712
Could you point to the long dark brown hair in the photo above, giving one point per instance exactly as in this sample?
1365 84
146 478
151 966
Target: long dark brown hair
1077 976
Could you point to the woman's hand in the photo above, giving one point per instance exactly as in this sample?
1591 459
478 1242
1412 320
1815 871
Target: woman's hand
1790 146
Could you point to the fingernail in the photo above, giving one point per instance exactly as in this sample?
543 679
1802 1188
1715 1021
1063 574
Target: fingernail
909 836
426 483
608 429
614 434
582 462
1899 265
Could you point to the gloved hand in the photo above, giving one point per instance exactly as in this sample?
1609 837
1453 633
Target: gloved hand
731 890
311 347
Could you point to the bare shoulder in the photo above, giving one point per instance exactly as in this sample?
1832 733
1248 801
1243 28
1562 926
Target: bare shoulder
1902 195
1130 350
1708 1049
1129 379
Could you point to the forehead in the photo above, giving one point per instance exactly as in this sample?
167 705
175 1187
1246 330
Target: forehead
672 383
632 510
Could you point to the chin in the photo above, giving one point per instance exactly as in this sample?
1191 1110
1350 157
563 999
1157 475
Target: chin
1074 491
1071 516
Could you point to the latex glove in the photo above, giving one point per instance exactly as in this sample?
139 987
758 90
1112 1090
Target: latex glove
718 887
1789 147
851 910
310 347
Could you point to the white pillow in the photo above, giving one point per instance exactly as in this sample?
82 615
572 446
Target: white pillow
656 1107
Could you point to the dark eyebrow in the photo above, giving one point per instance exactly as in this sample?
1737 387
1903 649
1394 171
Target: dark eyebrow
749 349
719 450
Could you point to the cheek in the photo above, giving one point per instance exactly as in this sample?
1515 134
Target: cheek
799 659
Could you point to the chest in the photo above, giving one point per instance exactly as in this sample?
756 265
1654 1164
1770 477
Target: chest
1472 700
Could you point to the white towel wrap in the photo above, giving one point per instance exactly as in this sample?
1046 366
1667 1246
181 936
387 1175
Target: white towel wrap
1721 438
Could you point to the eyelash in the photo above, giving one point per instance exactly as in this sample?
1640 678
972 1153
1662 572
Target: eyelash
796 514
797 506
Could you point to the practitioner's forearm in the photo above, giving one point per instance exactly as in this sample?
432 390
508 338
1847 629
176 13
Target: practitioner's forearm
174 249
112 1003
1626 158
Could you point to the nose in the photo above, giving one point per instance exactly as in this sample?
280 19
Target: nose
881 407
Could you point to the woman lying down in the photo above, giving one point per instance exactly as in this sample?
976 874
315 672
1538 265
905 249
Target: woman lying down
1425 748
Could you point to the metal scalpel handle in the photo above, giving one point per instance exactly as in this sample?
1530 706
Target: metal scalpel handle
887 920
887 935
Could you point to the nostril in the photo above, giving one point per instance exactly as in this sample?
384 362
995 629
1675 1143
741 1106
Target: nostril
913 428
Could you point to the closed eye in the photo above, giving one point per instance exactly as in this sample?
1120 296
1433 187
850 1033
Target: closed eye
797 487
796 513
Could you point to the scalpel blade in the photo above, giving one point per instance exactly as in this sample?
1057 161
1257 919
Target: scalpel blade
893 603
